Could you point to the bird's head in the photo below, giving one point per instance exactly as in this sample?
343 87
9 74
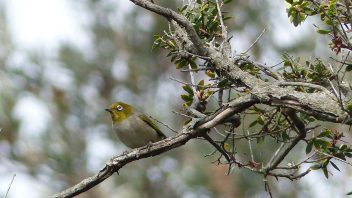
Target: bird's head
120 111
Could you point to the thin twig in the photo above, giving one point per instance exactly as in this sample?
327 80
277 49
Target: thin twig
194 70
192 79
250 147
8 189
331 84
191 85
267 187
182 114
276 153
223 27
255 41
211 141
220 95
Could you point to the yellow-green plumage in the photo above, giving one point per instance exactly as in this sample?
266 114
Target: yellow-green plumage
133 128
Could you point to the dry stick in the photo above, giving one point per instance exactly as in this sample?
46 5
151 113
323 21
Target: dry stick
330 82
276 154
191 85
223 27
8 189
256 40
349 15
291 176
220 96
282 156
267 187
250 147
222 151
191 74
211 141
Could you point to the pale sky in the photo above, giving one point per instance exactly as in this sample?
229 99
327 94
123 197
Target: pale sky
43 24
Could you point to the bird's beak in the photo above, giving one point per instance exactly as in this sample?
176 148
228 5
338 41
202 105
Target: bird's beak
108 110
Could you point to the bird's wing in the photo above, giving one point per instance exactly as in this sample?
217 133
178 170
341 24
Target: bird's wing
152 124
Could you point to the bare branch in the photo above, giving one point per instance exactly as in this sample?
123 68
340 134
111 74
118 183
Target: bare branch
256 40
196 128
8 189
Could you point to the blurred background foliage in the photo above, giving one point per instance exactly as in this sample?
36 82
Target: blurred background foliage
55 131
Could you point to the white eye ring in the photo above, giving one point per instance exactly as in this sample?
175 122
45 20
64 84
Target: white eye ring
119 107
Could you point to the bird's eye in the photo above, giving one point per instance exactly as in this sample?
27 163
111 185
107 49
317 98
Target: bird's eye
119 107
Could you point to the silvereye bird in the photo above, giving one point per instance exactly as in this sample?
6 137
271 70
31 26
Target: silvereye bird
133 128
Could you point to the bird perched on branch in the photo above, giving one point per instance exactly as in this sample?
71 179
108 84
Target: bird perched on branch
133 128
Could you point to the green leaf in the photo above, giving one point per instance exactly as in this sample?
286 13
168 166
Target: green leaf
315 167
227 1
341 156
260 120
349 67
296 20
285 136
320 143
223 83
289 1
260 140
348 154
350 193
320 31
343 147
186 98
210 73
325 171
334 165
309 147
325 133
201 83
183 8
226 18
193 64
349 107
171 44
188 89
181 63
253 123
